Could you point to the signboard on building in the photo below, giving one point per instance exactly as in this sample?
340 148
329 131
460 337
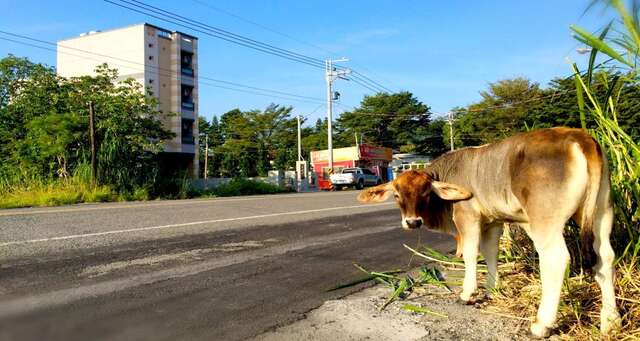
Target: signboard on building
375 153
339 154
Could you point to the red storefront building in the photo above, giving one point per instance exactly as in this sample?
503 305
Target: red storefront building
376 159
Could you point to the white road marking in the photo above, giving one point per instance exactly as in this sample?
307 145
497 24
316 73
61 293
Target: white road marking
26 304
187 202
148 228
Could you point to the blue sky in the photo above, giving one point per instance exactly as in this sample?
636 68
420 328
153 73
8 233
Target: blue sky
444 52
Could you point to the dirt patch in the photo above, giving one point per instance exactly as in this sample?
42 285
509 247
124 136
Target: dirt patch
357 317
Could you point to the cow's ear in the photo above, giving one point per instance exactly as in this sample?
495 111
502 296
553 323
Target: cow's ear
379 193
449 191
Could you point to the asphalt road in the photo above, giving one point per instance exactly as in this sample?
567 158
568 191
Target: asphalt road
210 269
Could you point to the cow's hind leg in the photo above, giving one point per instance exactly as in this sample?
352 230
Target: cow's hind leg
554 258
603 220
489 249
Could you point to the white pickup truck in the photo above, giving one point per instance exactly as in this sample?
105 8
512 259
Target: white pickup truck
357 177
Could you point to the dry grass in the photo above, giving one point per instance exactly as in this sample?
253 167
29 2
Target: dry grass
579 311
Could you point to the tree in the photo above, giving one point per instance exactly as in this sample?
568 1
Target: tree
314 138
501 112
514 105
213 132
27 91
44 125
256 141
390 120
431 140
128 127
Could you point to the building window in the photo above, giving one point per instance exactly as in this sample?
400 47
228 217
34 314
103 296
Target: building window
187 131
187 97
150 57
150 45
150 81
186 63
164 34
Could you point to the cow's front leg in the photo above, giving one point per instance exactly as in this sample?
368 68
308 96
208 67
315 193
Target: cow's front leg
470 232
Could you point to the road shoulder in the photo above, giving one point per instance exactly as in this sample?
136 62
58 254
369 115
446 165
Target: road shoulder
358 317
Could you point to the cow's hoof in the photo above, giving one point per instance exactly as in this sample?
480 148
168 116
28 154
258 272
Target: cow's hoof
464 302
610 322
538 330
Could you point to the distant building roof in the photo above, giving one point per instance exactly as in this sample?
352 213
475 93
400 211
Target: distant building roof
94 32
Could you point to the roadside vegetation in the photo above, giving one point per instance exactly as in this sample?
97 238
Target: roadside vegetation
600 102
45 146
603 99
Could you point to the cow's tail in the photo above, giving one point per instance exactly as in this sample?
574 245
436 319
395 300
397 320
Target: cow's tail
597 186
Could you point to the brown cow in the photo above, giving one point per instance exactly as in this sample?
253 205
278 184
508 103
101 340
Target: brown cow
538 180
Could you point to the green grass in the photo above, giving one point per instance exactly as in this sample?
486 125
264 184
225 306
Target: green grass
56 193
75 190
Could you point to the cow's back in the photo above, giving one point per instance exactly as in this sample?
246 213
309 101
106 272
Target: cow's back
526 172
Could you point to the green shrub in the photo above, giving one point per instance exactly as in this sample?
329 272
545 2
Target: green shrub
239 187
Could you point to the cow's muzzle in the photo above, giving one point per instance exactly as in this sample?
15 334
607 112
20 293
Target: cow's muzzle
412 223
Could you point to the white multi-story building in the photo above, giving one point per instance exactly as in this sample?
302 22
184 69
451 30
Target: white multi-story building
161 60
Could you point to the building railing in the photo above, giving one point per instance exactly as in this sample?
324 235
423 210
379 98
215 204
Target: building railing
188 105
188 139
187 71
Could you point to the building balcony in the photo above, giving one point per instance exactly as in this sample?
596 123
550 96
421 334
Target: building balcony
187 105
187 71
186 44
188 140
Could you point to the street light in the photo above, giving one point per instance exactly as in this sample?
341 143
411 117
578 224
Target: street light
584 50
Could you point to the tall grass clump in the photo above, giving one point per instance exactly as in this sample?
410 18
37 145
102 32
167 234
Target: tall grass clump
40 193
579 312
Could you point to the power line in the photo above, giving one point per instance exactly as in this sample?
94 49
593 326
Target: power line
217 9
215 32
161 14
202 3
301 97
371 81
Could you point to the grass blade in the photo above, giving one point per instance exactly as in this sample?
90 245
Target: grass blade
416 309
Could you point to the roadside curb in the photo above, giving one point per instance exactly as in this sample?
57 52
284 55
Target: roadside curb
358 317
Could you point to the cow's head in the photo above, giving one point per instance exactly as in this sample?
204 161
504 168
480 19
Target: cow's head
414 192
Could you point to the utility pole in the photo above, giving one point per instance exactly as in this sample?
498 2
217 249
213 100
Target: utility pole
331 74
299 141
92 139
450 121
206 156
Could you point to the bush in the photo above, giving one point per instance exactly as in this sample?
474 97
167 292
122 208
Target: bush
240 186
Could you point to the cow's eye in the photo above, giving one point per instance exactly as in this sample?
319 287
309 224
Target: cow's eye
396 196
